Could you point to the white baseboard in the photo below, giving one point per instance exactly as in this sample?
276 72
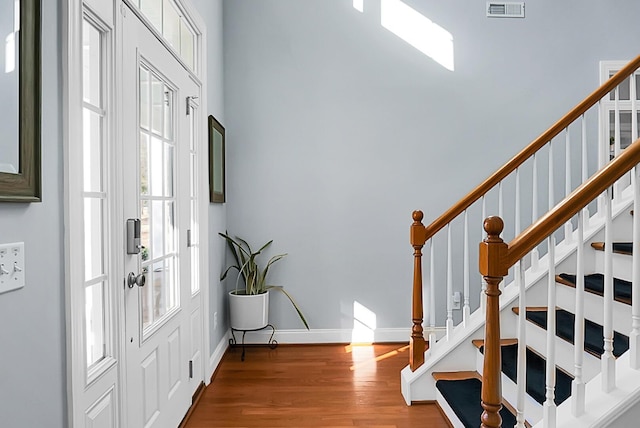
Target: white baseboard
322 336
216 357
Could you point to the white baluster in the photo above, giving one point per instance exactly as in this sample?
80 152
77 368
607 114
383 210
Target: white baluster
535 255
466 309
578 385
449 324
608 360
500 201
483 283
603 152
522 320
616 121
585 164
634 337
551 178
568 229
517 228
549 405
522 344
617 187
432 295
634 109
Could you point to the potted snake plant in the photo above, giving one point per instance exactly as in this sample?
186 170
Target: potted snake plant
249 304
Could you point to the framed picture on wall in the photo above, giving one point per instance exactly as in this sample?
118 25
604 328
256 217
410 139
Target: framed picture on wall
216 161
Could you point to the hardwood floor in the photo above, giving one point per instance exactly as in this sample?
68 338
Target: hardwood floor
312 386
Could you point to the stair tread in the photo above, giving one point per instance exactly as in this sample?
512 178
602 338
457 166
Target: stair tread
463 396
594 283
618 247
536 373
565 329
461 375
479 343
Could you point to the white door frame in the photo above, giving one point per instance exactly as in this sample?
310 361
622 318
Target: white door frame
116 396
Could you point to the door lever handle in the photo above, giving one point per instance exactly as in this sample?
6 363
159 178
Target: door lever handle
134 279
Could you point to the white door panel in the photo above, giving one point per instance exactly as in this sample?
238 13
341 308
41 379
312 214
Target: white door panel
156 191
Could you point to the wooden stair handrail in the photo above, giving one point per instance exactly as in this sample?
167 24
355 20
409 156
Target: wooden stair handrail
508 168
572 204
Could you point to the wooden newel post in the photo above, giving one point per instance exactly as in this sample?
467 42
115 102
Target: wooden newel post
493 269
417 343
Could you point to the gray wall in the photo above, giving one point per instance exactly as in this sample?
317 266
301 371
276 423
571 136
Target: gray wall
32 332
337 129
211 12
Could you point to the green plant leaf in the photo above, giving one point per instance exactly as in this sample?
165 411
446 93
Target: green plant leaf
293 302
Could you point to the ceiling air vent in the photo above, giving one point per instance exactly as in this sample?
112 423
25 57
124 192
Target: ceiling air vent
505 9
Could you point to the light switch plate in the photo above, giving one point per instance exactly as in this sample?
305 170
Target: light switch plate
12 270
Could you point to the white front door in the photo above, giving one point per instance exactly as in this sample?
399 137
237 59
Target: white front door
161 304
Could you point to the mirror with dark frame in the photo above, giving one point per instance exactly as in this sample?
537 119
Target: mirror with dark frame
20 179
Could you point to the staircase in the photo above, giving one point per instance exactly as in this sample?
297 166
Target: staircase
456 390
558 343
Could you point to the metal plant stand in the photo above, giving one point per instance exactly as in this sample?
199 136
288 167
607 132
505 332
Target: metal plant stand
271 343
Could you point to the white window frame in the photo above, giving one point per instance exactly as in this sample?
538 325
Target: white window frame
607 106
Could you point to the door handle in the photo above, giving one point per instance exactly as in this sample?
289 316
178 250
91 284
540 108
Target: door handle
134 279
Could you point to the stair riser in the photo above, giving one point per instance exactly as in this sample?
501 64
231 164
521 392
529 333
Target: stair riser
593 308
622 265
537 340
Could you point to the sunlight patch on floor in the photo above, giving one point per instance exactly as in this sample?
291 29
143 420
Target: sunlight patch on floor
372 360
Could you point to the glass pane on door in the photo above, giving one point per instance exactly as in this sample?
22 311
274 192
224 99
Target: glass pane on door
157 196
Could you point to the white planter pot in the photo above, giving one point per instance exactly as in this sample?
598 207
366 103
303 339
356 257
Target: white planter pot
249 312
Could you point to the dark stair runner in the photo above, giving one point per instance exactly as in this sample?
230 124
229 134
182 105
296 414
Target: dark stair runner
618 247
623 247
464 398
593 341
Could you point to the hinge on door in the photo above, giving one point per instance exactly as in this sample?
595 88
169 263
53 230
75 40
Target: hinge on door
190 369
123 10
188 238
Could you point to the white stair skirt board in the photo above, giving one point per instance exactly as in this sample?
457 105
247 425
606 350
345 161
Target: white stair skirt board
601 409
300 336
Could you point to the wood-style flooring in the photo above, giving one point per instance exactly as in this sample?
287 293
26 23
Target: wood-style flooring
312 386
